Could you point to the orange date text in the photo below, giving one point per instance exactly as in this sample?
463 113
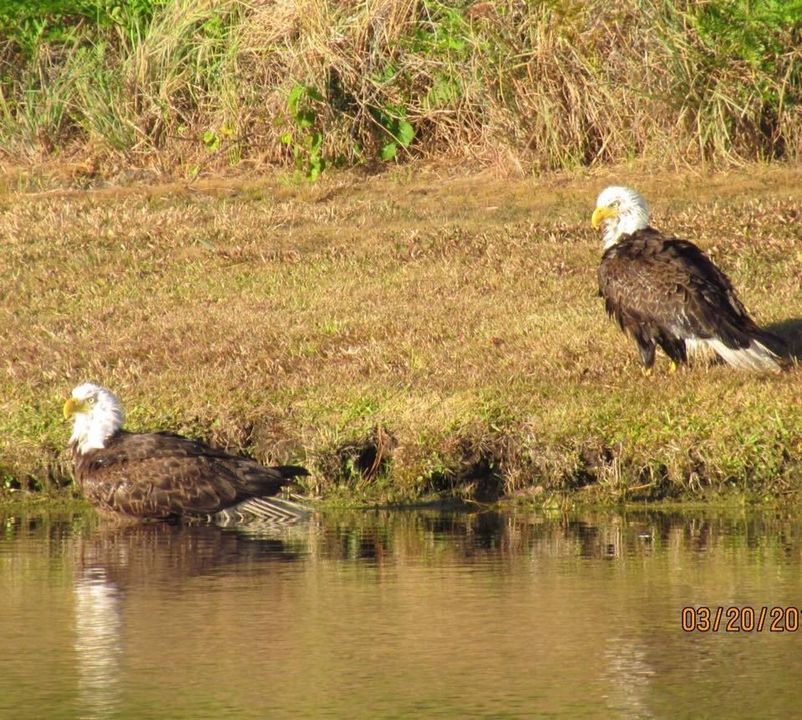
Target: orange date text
740 619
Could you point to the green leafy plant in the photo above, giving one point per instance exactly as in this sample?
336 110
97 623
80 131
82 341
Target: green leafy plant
213 138
304 137
399 132
30 23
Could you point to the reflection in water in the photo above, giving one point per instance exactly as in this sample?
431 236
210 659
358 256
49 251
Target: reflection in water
630 677
114 564
98 642
397 614
163 554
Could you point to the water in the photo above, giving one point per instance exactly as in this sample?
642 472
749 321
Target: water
398 614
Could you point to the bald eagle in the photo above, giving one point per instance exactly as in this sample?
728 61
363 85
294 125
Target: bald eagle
665 291
161 475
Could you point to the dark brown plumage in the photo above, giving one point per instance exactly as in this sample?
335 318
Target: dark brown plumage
666 292
663 290
160 475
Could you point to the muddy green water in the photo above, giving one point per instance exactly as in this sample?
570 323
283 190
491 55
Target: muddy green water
401 614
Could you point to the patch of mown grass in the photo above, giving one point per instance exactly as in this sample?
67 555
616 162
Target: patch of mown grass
188 85
425 347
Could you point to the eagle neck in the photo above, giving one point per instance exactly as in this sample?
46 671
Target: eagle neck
627 224
628 237
93 433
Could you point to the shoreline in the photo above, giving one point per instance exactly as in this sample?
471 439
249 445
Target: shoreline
411 335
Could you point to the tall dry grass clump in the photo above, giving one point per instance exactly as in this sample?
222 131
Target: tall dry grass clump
192 83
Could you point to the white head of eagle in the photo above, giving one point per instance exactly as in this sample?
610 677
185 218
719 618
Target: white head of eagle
619 211
98 414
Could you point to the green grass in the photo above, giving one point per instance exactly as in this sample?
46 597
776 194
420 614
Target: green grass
406 336
187 86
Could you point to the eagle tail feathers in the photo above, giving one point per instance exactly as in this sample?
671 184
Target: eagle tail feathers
260 481
268 511
291 471
756 356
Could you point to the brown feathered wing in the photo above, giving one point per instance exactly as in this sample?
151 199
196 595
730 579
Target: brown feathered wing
161 475
664 291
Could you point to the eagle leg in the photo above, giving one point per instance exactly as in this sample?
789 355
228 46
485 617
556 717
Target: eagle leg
674 348
646 347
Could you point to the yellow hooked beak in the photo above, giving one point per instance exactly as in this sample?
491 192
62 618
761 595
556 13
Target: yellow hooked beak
73 406
600 214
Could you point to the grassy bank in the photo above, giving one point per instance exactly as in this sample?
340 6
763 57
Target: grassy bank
184 86
403 335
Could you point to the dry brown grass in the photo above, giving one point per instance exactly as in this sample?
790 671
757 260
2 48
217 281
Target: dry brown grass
202 85
451 320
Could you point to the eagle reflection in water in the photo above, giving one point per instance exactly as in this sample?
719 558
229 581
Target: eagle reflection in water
122 571
98 642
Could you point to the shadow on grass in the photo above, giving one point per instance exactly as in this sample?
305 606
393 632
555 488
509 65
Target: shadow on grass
790 332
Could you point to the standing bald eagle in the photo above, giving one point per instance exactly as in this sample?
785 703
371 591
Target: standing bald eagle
667 292
161 475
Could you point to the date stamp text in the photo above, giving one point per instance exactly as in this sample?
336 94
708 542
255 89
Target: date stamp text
741 619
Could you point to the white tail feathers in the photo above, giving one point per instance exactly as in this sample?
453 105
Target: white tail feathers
756 357
272 511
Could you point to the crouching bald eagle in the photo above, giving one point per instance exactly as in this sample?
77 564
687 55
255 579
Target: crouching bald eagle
665 291
161 476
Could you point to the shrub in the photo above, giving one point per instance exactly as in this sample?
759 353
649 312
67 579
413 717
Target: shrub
545 84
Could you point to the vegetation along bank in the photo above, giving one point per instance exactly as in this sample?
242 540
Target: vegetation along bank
184 86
